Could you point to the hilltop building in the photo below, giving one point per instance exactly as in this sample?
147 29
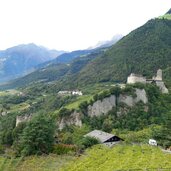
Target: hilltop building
135 78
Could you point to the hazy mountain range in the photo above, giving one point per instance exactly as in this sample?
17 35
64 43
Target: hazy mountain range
25 58
21 59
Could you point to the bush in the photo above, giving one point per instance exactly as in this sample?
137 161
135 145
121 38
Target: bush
64 148
89 141
2 149
65 112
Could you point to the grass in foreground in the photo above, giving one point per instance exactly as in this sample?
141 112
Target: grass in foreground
35 163
120 157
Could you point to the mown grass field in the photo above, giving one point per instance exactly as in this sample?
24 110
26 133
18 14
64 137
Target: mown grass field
79 100
120 157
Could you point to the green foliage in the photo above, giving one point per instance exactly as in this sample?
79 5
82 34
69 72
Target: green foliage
89 142
50 162
83 107
64 112
2 149
163 135
64 149
7 124
141 136
17 133
73 135
121 157
37 137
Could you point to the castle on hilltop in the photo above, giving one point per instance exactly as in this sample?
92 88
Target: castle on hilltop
136 78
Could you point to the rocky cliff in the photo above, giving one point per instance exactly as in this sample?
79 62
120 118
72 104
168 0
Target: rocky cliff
104 106
131 101
73 119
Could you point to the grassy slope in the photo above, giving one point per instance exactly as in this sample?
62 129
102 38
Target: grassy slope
120 157
35 163
79 100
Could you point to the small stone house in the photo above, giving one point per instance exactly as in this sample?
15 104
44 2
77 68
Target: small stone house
104 137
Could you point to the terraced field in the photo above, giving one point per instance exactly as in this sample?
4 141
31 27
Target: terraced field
121 157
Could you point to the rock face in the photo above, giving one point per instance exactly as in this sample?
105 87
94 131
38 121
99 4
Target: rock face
24 118
102 107
73 119
162 87
130 101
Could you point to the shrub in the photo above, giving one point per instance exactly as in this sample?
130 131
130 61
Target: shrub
2 149
89 141
64 112
64 148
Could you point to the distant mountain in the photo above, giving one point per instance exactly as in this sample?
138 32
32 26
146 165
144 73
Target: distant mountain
108 43
169 12
66 58
21 59
55 71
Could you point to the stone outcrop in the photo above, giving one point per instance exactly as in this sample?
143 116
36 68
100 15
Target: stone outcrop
162 87
131 101
73 119
141 96
102 107
24 118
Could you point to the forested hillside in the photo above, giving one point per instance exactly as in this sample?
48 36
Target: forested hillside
142 51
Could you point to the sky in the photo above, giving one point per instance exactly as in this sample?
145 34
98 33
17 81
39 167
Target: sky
72 24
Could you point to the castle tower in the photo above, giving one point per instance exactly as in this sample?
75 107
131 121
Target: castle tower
159 75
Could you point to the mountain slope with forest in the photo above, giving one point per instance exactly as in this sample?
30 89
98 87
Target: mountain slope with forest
142 51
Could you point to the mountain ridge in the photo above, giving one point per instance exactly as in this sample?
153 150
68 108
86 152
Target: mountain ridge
21 59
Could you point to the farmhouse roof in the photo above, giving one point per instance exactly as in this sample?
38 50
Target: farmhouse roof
100 135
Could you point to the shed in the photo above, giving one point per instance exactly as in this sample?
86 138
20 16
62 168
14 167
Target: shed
104 137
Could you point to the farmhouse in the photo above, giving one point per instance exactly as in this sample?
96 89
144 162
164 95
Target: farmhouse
74 92
104 137
77 92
